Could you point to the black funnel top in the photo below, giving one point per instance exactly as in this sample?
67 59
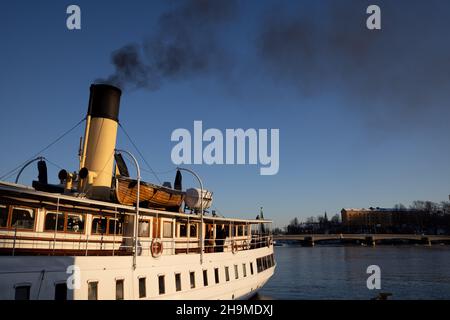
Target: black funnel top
104 101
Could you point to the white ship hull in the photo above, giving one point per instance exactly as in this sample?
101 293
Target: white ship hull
42 273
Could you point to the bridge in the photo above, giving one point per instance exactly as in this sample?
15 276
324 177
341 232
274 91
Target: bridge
368 239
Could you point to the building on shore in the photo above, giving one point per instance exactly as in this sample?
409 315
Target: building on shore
394 220
366 218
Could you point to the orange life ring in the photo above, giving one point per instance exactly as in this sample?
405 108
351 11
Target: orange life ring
156 248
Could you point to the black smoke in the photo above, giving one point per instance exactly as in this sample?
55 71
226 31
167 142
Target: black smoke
397 76
186 43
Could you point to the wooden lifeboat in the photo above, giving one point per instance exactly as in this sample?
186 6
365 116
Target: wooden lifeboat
150 195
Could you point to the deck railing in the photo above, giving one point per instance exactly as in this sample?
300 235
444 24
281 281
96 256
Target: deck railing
121 245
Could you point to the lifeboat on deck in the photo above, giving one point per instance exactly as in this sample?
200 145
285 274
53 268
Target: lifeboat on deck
150 195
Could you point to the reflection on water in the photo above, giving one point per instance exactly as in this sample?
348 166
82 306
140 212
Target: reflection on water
328 272
260 296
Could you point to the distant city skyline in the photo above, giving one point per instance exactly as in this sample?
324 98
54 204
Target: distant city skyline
362 114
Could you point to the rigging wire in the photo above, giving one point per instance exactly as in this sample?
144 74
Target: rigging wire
54 164
11 172
139 152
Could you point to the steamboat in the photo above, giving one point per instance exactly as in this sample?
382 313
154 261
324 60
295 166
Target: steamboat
100 234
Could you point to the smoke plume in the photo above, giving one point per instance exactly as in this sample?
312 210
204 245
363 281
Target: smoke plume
399 74
185 44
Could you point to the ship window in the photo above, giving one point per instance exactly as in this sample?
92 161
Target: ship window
167 229
114 226
236 272
144 228
162 284
227 230
216 274
99 225
119 289
209 232
3 216
61 291
75 223
23 218
192 276
178 281
53 219
142 288
240 231
64 222
244 269
227 273
264 263
93 290
193 230
233 231
251 268
22 292
205 277
259 264
245 230
183 230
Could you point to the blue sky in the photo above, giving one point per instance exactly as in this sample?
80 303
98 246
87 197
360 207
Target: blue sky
363 117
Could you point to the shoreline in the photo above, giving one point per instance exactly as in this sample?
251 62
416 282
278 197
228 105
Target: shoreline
346 243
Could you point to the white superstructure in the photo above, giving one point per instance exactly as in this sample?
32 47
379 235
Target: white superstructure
38 251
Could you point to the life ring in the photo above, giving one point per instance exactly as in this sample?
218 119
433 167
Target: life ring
156 248
269 242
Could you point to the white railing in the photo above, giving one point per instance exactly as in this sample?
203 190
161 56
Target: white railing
15 244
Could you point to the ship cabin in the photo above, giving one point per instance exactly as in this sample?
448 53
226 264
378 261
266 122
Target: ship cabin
40 223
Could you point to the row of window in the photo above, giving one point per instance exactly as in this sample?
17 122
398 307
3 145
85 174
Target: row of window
93 285
120 289
24 219
22 292
264 263
223 231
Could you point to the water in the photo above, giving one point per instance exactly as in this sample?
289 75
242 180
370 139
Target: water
339 272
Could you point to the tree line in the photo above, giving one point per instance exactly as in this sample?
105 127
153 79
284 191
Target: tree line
419 217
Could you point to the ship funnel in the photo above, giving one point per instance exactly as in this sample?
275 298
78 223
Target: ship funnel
97 158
